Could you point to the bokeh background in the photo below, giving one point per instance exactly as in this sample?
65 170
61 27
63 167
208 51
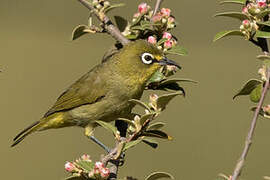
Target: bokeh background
39 61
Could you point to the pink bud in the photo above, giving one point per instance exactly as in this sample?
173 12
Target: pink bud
136 15
171 20
86 157
168 44
262 4
104 172
152 40
245 10
157 17
246 23
99 165
69 167
167 35
143 8
166 12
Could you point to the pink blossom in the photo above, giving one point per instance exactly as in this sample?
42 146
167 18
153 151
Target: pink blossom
152 40
86 157
99 165
262 4
166 12
168 44
157 17
246 23
136 15
171 20
104 172
70 167
245 10
167 35
143 8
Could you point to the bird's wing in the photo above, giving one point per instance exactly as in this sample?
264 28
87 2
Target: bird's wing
89 89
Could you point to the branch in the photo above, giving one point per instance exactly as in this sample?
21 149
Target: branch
157 6
241 162
108 25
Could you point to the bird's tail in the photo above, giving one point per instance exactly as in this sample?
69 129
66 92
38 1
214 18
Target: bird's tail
30 129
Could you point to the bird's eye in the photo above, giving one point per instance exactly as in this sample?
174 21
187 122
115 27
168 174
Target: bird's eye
147 58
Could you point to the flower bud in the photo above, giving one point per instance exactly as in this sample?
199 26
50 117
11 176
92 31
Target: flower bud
261 5
245 10
86 157
98 6
104 172
91 174
136 15
166 12
164 20
157 17
106 4
168 44
95 2
171 20
152 40
143 8
266 109
246 24
70 167
167 35
99 165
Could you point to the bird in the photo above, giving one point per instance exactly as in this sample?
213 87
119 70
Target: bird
103 93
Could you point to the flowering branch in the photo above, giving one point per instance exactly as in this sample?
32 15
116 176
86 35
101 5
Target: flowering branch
240 164
108 25
254 15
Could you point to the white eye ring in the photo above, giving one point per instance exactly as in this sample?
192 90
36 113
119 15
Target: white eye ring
147 58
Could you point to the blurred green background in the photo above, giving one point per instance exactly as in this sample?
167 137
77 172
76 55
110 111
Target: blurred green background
39 61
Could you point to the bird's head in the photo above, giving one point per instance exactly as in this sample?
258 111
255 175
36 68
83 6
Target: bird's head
140 60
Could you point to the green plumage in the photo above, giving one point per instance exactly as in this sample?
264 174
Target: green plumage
102 93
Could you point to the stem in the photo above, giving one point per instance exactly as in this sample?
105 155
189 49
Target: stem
157 6
108 25
248 142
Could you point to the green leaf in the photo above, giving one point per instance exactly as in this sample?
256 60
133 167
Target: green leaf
136 22
132 36
161 41
107 126
261 112
151 142
79 31
157 134
248 87
262 34
163 100
263 13
131 144
177 50
156 126
159 175
140 103
243 2
237 15
111 7
145 117
266 23
127 121
86 165
255 95
121 23
223 34
156 77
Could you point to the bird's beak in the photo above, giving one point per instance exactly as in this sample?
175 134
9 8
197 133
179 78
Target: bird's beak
166 61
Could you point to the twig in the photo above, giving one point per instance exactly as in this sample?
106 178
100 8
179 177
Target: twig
248 142
157 6
108 25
